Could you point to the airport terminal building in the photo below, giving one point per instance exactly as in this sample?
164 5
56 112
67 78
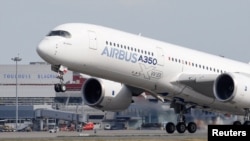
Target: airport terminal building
40 107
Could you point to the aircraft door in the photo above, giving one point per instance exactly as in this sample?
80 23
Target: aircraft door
92 40
160 56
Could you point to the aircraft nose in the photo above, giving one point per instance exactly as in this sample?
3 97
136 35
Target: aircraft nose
45 50
41 49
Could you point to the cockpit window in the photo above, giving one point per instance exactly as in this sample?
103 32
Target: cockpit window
62 33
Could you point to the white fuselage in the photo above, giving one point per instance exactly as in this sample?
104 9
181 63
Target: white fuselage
137 61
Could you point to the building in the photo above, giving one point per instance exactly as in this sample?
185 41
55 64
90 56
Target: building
35 83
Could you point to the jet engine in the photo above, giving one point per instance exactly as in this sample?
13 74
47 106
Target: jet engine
234 88
106 95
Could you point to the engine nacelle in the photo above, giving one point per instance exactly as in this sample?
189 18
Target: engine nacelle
233 88
106 95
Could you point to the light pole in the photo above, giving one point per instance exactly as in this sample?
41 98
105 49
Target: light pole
16 59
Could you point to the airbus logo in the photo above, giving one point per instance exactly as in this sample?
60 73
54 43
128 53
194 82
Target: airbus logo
128 56
120 54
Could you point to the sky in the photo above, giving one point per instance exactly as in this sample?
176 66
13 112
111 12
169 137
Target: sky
220 27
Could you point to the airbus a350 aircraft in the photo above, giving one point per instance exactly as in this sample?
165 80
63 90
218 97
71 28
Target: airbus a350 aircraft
123 65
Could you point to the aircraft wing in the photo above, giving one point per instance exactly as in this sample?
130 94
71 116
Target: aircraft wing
202 83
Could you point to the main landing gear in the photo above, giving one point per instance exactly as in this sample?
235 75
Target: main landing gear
246 118
181 126
61 70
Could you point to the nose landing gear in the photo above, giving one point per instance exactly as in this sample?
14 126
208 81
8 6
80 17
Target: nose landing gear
61 70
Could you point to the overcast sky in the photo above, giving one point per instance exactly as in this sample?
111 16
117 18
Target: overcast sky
220 27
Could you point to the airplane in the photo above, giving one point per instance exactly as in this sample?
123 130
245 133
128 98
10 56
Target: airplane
123 65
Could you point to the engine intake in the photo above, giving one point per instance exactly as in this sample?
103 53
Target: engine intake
106 95
233 88
93 93
224 87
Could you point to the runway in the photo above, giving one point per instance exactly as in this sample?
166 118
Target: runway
103 135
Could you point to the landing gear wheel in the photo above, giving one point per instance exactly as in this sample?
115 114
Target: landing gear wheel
57 87
237 123
60 87
246 123
191 127
63 88
170 127
181 127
